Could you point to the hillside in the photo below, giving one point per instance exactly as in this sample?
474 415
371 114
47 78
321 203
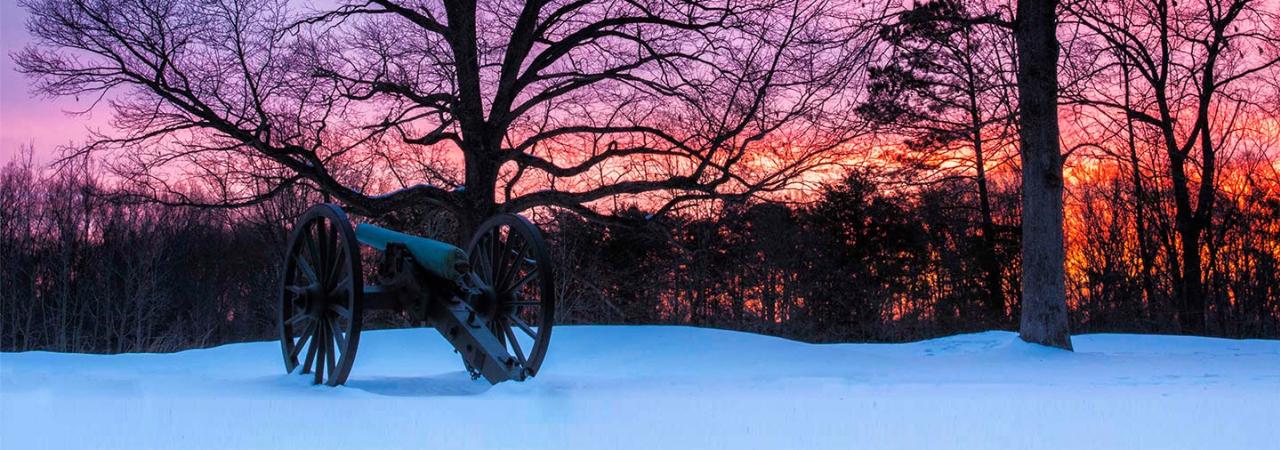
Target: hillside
652 387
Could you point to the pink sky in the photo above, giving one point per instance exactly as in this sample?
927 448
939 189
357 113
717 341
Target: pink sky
28 119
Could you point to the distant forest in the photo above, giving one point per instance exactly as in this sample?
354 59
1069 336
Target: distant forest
865 261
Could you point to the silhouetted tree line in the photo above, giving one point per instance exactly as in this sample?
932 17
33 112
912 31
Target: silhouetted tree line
861 263
80 272
1115 157
866 261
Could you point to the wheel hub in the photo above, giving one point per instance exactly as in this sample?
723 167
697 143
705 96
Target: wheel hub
486 302
315 300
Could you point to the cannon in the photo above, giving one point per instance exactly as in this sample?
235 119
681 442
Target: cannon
494 302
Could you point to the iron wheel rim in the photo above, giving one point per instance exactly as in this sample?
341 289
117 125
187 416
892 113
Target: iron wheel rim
320 309
508 255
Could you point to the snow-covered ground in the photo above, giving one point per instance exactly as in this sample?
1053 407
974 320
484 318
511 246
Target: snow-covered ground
664 388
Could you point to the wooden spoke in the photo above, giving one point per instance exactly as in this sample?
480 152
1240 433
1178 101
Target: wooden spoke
322 244
520 284
336 262
342 286
311 352
523 326
312 256
335 267
515 345
319 344
339 337
324 241
297 318
514 268
500 262
330 353
307 270
494 244
302 340
341 311
497 254
481 261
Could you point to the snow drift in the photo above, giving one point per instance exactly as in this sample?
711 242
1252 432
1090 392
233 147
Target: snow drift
655 387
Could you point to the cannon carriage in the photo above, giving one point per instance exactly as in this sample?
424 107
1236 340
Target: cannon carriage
494 302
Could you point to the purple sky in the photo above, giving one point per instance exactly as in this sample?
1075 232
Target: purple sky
46 123
27 119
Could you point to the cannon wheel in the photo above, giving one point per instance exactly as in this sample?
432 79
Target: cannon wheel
510 263
320 296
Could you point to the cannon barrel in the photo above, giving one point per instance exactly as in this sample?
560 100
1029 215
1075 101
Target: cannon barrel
438 258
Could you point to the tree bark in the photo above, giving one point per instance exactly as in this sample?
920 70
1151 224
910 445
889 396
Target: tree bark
478 200
1191 316
1044 305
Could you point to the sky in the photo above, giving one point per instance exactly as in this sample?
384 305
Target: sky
30 119
43 122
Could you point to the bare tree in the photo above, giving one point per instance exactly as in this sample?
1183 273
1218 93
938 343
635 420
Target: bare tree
1194 63
19 206
472 107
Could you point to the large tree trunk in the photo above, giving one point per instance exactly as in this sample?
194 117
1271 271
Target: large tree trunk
1044 304
1191 316
478 200
1190 222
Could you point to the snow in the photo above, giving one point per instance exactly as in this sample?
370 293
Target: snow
415 187
655 387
